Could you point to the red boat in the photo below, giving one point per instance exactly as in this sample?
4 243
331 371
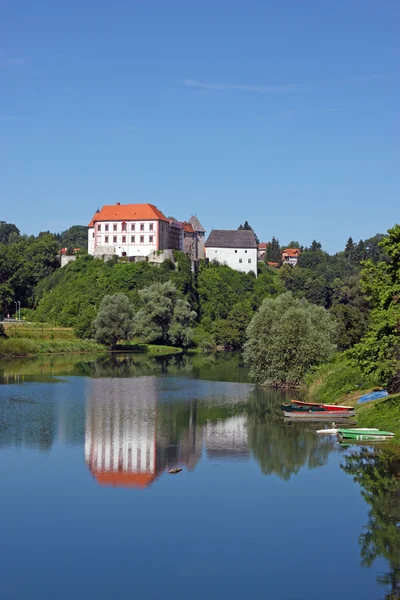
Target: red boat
330 407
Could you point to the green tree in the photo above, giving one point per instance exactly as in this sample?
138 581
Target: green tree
274 252
231 332
114 320
163 317
286 338
246 226
75 237
8 232
379 350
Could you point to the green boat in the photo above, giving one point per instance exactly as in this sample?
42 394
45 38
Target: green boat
367 435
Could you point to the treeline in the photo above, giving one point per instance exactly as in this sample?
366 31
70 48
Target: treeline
26 260
357 287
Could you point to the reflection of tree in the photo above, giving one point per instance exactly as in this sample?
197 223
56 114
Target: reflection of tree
281 448
378 472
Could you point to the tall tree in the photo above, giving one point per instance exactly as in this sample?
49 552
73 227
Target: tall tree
163 316
246 226
114 320
379 350
349 249
286 338
8 232
273 253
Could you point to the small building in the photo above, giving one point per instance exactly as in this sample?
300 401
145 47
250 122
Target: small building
132 230
235 248
290 256
262 251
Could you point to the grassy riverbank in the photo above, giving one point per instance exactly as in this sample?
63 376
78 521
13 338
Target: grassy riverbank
341 382
31 339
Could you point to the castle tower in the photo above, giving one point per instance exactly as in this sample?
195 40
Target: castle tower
201 235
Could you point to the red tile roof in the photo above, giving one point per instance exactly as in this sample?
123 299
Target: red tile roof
273 264
128 212
262 246
291 252
188 227
65 250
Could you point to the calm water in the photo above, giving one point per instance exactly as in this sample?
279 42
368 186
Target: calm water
261 509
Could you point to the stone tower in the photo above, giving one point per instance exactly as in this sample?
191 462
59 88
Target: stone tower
201 235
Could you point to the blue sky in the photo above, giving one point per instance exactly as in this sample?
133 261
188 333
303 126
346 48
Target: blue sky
282 113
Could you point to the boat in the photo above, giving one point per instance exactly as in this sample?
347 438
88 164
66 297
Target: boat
372 396
323 414
320 406
373 435
334 431
295 408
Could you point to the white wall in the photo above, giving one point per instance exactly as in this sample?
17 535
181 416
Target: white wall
127 248
236 258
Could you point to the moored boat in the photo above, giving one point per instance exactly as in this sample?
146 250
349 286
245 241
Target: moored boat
376 435
331 407
323 414
334 431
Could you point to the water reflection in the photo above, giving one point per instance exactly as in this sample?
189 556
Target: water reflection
136 419
378 473
133 434
282 448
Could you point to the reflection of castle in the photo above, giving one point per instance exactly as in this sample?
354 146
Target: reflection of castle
120 441
129 441
227 439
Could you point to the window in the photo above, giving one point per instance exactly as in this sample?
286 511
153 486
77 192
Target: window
123 226
249 260
124 239
115 239
98 227
245 251
151 227
93 234
235 251
142 239
115 227
141 226
106 239
124 254
240 260
132 239
151 239
106 227
133 227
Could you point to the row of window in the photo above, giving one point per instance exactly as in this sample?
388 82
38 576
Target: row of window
151 239
124 227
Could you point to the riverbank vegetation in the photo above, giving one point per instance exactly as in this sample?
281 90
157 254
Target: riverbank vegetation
356 292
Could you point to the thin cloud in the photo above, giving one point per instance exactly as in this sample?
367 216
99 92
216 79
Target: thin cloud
220 87
12 61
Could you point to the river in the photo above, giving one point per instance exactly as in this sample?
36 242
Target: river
261 509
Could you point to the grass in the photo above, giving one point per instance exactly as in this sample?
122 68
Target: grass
342 382
338 382
30 339
384 414
148 349
19 347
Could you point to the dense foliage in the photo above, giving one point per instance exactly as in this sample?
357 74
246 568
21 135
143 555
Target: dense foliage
286 338
358 287
379 350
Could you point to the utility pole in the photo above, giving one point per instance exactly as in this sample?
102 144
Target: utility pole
19 310
16 310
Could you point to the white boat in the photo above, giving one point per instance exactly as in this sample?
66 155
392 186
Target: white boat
334 431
